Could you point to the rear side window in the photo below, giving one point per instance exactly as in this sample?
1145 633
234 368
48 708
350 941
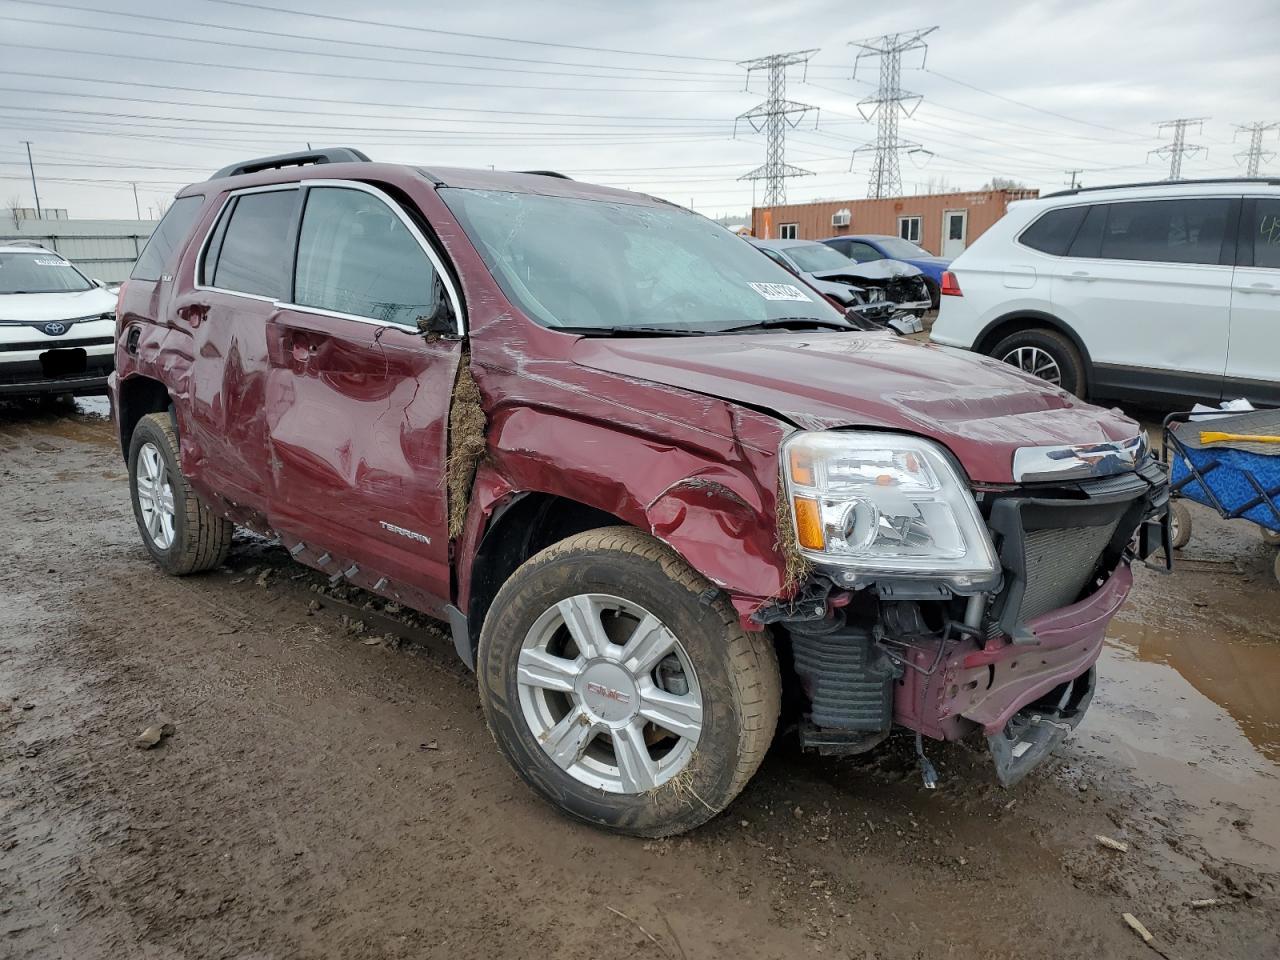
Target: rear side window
249 252
1053 232
356 256
1262 231
1166 231
170 233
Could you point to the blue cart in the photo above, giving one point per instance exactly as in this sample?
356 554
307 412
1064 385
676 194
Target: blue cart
1239 479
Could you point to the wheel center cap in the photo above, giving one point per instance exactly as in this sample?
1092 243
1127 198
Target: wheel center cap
608 692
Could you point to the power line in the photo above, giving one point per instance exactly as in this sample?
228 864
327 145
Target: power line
277 49
1254 155
890 99
1179 148
329 75
363 22
774 116
345 42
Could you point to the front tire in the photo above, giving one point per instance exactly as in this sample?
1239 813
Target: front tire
621 689
1046 354
182 534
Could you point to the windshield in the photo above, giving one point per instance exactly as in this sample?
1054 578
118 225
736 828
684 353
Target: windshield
902 249
39 272
817 257
573 263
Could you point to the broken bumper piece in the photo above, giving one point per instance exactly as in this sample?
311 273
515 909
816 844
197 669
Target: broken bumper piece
1035 731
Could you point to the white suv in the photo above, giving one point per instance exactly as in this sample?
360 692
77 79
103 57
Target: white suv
1164 292
57 327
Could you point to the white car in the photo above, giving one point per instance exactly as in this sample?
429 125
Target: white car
57 327
1164 292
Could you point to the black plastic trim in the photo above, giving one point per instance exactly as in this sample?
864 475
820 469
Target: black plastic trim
298 159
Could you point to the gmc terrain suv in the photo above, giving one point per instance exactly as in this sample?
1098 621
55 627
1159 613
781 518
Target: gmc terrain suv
655 484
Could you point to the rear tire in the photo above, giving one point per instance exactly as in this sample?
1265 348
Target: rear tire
576 721
182 534
1046 354
1180 521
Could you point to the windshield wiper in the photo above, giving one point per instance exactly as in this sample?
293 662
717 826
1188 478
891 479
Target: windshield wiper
788 323
634 331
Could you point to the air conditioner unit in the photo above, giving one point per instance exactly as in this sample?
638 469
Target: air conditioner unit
841 218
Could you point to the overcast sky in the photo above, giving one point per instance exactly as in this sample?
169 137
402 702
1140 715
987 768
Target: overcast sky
641 95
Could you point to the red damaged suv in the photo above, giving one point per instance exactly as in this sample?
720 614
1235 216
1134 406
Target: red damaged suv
658 488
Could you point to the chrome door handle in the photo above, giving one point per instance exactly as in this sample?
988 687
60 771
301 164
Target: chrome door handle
1079 275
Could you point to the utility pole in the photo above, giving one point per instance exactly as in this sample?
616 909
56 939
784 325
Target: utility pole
1075 178
1255 154
34 189
136 209
1179 148
889 101
773 117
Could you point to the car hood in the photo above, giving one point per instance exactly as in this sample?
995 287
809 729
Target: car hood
38 307
982 410
874 270
931 261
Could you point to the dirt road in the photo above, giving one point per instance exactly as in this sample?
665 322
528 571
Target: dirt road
330 792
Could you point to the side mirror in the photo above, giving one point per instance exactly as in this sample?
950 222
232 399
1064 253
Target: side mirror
440 321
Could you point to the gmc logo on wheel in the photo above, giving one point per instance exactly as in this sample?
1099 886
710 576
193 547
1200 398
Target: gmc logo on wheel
607 692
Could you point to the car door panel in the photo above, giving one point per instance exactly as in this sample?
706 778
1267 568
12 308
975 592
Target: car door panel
1253 358
358 434
227 312
359 399
1147 324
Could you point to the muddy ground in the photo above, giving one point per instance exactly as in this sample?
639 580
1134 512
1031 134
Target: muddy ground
331 790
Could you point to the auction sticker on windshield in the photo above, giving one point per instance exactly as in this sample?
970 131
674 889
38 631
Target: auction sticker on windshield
779 291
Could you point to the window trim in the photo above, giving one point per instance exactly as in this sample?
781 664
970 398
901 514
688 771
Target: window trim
795 230
436 261
224 211
919 219
288 303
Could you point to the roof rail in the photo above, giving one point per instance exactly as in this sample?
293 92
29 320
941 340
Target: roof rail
546 173
1269 181
35 244
300 159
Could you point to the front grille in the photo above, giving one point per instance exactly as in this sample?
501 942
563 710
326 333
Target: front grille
57 344
1055 540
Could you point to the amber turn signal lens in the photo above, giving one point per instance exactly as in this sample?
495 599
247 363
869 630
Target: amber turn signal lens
801 468
808 524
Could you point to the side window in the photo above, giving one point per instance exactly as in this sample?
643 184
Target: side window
777 258
1054 230
1262 229
249 250
863 252
1166 231
1089 236
787 231
356 256
168 236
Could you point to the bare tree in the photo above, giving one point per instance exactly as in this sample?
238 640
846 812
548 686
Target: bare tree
1004 183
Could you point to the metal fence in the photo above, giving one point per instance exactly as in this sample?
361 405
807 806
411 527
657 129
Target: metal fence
102 249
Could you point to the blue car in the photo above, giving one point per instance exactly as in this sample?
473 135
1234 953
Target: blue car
867 247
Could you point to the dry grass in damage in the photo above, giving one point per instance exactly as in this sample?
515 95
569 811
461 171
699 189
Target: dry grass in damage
797 567
466 444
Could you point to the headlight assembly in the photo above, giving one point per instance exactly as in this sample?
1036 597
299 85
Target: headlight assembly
871 506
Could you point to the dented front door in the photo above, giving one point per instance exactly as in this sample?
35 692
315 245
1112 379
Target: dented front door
360 398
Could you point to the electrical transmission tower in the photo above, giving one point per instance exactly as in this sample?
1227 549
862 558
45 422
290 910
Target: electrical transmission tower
889 101
1179 148
1255 154
773 117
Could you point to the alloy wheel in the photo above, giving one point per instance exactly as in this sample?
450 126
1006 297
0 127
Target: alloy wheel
155 496
1036 362
609 693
